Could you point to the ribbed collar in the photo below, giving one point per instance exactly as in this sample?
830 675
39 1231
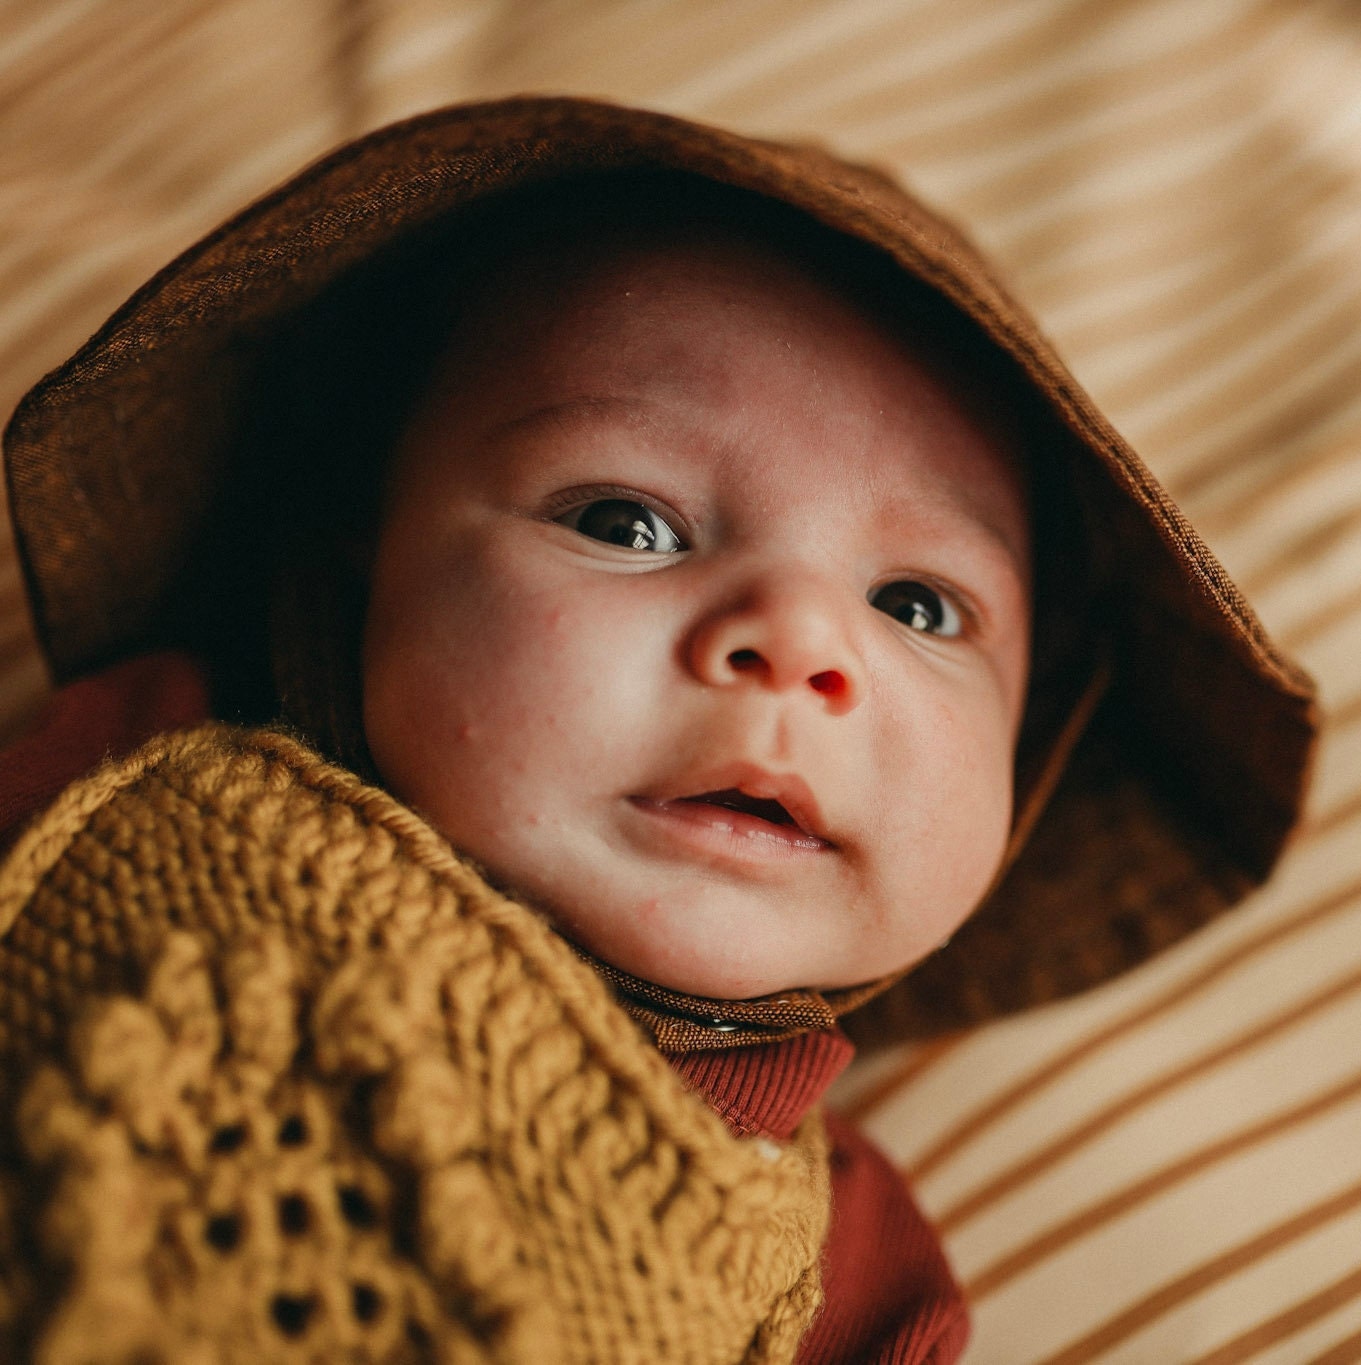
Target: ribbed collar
767 1089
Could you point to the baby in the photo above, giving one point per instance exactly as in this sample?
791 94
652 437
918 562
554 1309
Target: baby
722 506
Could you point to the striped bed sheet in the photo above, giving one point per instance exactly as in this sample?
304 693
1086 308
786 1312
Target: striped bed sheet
1168 1169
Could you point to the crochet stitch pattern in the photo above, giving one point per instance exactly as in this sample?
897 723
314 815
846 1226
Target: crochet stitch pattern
292 1083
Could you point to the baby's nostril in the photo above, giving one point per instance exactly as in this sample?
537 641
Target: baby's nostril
830 683
744 660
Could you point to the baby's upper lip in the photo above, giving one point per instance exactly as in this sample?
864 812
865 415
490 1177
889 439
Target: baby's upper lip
751 779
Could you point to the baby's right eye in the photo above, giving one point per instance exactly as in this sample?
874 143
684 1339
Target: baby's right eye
619 521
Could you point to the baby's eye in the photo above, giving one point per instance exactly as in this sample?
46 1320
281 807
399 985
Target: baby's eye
918 607
617 521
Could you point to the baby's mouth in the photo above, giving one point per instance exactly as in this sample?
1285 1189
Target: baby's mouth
746 803
733 798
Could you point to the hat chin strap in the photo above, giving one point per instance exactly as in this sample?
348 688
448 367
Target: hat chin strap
1041 783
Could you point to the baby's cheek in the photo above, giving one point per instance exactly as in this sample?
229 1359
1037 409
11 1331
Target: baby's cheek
944 812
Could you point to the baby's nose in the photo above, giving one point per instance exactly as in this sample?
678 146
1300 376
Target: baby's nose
785 637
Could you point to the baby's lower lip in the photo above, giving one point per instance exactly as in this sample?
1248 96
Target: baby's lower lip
731 831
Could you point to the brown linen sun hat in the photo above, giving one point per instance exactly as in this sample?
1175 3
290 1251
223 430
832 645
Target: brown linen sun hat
1167 742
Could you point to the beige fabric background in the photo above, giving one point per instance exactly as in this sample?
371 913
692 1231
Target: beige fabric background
1168 1170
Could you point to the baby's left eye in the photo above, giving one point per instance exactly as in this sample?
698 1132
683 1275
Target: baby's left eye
619 521
918 607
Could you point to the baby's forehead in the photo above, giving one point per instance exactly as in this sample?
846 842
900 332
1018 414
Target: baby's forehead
537 283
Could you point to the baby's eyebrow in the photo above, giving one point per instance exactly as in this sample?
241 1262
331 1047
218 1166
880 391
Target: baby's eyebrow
955 512
1018 557
581 410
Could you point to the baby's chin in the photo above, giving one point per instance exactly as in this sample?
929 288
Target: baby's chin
676 953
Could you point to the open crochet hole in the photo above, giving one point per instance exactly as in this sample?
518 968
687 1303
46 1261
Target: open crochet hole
291 1313
228 1138
293 1131
223 1231
356 1207
294 1215
366 1301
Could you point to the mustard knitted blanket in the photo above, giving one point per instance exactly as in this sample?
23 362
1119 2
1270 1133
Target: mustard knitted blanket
285 1080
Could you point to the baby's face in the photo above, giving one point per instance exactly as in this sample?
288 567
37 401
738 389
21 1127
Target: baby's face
700 617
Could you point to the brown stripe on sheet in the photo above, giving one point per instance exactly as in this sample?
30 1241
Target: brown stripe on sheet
1016 115
1325 822
1034 206
1230 161
981 1118
1343 714
1168 1296
1171 305
914 58
1306 455
919 1059
1244 440
46 61
100 36
1013 1177
1323 532
1262 438
1303 355
1129 262
186 20
1302 633
798 74
1317 528
1088 1220
912 78
353 25
1280 316
1346 1352
1283 1325
724 62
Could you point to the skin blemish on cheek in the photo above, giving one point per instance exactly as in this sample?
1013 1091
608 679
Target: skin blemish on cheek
648 911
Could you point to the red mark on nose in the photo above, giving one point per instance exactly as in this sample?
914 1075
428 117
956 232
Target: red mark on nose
830 683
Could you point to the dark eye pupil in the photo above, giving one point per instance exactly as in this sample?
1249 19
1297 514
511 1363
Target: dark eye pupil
619 522
914 604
